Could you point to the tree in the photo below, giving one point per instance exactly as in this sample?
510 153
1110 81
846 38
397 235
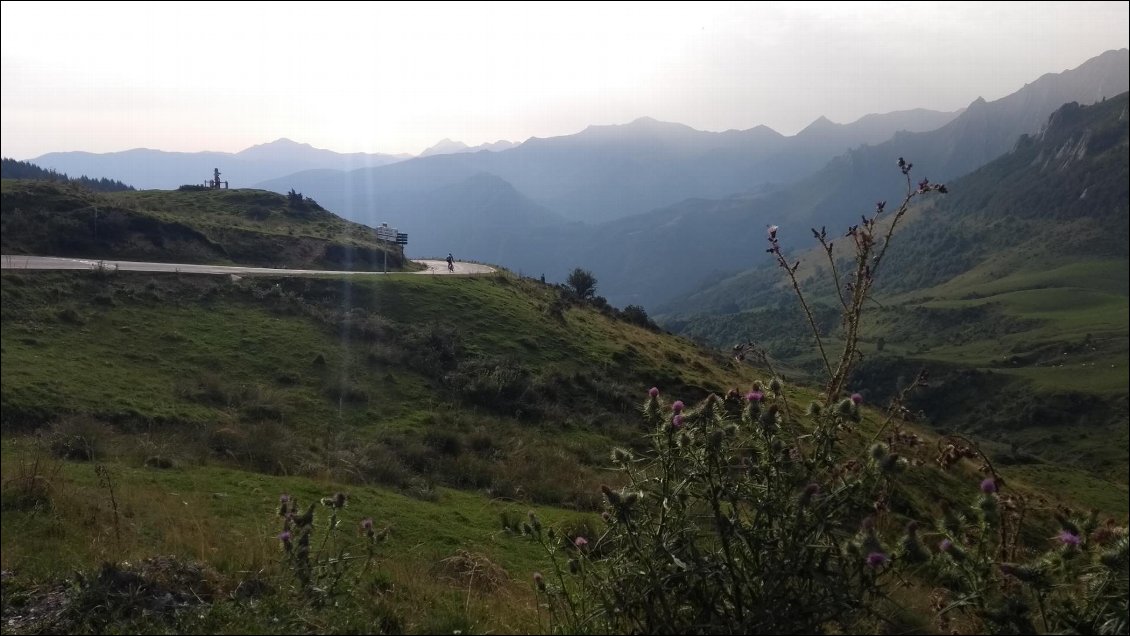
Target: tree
583 283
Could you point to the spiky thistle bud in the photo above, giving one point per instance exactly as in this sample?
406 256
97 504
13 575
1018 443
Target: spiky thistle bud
612 496
621 455
878 451
911 548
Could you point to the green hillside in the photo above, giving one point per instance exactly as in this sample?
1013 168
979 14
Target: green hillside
241 227
148 415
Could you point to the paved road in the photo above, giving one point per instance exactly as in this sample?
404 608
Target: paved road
52 262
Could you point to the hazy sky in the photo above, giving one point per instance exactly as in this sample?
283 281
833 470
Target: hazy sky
397 78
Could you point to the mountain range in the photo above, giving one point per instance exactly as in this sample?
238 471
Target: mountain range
146 169
655 209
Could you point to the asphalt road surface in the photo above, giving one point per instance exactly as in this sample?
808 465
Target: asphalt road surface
52 262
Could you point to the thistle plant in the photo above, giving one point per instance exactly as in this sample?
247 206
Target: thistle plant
320 559
747 514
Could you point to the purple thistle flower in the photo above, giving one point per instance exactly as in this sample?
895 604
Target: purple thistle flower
877 559
653 392
367 524
754 396
580 542
1068 538
678 406
856 398
988 485
285 536
677 421
945 545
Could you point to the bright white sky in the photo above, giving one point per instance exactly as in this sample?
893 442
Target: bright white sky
397 78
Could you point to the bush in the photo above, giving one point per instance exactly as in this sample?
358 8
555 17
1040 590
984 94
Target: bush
582 282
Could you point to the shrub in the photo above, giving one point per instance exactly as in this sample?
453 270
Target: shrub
582 283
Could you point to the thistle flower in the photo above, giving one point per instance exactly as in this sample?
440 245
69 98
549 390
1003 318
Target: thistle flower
284 500
580 542
539 581
678 406
653 392
754 396
1069 539
775 385
677 421
772 231
877 560
988 485
856 398
948 547
285 537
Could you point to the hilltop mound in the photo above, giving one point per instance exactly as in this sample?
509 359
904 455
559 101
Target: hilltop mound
243 227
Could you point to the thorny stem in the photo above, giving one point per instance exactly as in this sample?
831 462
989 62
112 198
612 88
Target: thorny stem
822 236
775 249
866 267
897 403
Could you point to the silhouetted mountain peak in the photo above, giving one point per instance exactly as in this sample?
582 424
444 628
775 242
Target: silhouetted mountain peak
444 146
280 145
821 124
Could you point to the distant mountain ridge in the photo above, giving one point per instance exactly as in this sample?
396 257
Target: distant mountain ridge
148 169
601 172
720 236
448 147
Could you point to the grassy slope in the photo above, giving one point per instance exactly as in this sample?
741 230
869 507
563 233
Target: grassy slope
227 380
245 227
